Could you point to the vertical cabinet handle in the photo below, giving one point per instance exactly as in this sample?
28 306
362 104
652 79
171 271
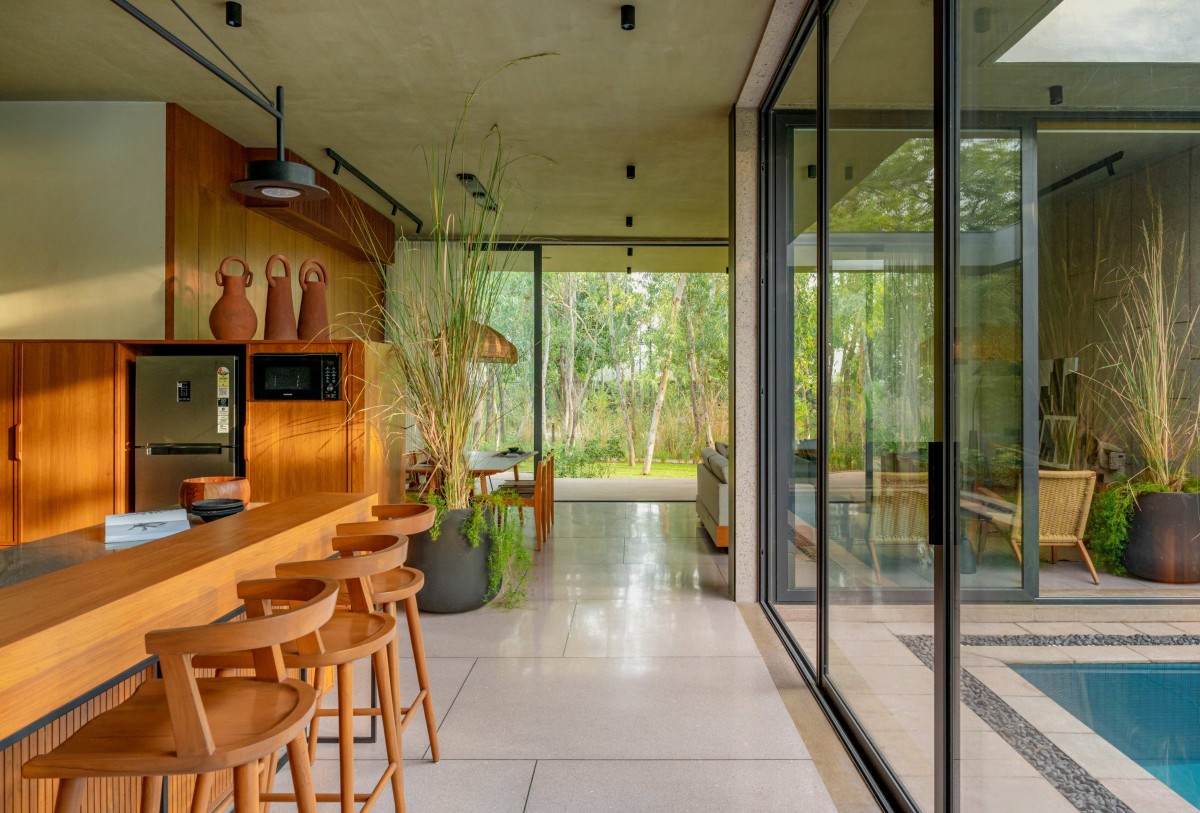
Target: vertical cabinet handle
15 443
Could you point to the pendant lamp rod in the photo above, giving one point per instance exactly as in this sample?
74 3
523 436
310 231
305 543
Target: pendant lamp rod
276 111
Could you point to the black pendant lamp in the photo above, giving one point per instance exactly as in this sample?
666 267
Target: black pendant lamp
279 179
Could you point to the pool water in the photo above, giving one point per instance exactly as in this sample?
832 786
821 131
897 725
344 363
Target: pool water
1149 711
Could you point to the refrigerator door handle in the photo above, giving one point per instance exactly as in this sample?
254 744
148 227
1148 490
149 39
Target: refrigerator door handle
184 448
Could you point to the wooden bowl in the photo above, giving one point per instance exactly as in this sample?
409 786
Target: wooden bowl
213 488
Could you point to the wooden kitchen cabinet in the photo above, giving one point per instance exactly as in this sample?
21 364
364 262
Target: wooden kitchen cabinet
67 436
8 428
293 447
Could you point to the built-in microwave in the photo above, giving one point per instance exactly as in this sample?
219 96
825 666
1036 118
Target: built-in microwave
297 376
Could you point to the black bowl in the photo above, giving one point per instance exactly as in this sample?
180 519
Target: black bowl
209 510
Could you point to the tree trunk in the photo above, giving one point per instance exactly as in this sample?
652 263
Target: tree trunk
652 432
568 366
698 406
625 407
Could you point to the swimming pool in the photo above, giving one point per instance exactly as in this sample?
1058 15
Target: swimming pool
1149 711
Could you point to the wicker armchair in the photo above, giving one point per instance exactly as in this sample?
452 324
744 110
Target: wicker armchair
1064 501
899 512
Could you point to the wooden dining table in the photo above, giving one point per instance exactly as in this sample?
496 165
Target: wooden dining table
483 464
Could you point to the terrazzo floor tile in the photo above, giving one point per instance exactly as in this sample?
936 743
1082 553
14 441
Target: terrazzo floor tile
664 629
620 708
776 786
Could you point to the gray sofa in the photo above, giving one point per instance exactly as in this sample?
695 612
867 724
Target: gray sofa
712 493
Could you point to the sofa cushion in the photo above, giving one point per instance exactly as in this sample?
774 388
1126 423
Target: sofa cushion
722 449
719 466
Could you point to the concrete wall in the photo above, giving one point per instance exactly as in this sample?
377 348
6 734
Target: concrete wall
82 247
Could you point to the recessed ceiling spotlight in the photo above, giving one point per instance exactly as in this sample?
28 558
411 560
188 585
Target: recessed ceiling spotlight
630 172
629 251
629 221
1056 94
233 14
629 269
983 20
627 21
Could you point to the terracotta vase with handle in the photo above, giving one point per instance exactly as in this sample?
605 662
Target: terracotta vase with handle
233 317
314 313
281 315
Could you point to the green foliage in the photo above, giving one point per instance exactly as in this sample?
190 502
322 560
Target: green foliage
590 459
1108 523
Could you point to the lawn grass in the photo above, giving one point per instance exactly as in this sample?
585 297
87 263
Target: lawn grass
675 471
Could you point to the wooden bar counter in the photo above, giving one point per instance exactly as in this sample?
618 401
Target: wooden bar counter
81 626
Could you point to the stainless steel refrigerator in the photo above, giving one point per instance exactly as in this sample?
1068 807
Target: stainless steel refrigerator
185 424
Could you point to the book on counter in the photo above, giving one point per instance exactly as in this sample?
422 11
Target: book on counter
122 530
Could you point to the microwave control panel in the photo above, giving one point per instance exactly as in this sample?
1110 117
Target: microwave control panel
331 377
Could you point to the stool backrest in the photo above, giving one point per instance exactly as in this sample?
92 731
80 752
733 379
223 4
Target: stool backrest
383 552
262 633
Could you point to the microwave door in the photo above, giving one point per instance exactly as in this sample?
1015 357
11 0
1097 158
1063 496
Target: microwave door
178 400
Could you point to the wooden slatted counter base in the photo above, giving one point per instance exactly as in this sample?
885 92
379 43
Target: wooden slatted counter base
72 640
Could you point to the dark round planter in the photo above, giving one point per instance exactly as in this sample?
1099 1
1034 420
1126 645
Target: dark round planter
1164 538
456 574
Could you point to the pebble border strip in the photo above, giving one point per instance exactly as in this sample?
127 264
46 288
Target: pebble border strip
1067 776
1092 639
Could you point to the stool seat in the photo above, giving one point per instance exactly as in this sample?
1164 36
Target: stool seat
397 585
347 636
248 717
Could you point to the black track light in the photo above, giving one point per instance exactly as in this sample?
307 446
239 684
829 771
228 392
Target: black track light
629 270
233 14
812 171
630 172
629 221
627 21
849 173
1056 94
629 252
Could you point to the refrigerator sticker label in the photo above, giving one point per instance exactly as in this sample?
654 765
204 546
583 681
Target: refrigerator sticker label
222 402
222 376
223 392
223 426
222 414
183 391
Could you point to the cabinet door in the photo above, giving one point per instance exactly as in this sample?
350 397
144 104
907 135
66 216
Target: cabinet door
293 447
68 436
8 454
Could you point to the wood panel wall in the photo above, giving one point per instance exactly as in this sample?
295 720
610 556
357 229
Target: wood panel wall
207 221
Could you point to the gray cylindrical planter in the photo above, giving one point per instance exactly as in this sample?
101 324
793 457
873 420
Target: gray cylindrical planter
456 574
1164 538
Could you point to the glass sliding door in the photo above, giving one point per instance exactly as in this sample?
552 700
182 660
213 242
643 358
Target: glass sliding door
881 378
797 369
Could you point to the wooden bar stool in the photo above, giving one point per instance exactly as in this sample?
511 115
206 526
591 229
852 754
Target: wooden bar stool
181 724
396 587
348 636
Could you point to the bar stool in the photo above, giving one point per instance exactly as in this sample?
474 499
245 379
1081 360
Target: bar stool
181 724
348 636
400 586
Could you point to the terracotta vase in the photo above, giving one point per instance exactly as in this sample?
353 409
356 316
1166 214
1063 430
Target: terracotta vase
281 316
233 317
314 314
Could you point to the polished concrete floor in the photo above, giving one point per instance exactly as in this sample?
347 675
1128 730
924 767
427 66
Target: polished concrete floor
629 682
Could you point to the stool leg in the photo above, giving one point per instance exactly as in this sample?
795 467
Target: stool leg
306 797
266 778
393 651
151 794
345 691
70 796
245 788
314 728
418 649
201 793
391 728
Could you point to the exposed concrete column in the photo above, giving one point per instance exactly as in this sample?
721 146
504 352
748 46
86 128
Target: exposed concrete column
744 486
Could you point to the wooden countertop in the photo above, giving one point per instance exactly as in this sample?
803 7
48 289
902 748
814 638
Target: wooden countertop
64 633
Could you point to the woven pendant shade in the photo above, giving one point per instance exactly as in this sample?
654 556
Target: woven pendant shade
493 347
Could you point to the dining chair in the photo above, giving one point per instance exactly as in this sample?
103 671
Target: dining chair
1064 502
535 494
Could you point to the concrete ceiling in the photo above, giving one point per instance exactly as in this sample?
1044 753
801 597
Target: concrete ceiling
379 79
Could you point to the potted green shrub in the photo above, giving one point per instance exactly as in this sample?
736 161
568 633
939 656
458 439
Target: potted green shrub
436 296
1145 388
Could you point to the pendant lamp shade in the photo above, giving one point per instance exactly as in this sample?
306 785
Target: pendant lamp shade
493 347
